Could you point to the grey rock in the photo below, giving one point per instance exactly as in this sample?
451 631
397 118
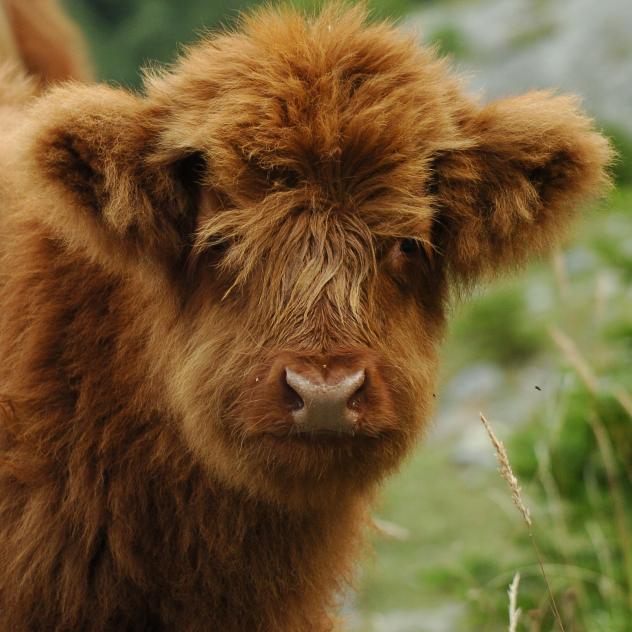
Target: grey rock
578 46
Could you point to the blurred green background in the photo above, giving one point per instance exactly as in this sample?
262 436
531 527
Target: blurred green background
127 34
547 355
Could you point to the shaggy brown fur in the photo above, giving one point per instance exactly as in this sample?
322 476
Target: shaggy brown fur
299 192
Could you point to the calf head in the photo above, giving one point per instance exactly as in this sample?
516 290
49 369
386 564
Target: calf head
295 200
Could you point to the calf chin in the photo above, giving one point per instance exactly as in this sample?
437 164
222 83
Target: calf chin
257 450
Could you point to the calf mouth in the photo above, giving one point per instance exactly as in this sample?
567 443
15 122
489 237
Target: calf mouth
324 448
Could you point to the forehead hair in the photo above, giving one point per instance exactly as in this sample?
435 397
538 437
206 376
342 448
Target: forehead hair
331 118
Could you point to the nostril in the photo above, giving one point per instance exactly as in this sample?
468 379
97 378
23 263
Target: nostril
359 382
293 400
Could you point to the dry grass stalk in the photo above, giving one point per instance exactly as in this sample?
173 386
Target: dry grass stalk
591 382
618 501
575 359
390 530
561 278
584 370
514 611
624 399
602 549
601 297
504 467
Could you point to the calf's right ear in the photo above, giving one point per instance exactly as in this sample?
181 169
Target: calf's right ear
93 149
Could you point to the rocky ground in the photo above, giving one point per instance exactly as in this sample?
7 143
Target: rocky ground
509 46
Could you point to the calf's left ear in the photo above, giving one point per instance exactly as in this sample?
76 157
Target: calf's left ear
527 165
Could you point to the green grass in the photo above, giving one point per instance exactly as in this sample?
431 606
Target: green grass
435 507
450 41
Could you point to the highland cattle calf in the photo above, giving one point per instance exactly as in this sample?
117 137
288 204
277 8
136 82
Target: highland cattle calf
220 307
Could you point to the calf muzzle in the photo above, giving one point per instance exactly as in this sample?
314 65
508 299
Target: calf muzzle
323 403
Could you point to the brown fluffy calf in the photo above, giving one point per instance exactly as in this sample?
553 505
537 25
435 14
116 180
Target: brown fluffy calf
220 307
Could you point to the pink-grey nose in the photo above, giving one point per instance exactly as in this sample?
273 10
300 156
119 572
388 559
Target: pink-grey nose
324 407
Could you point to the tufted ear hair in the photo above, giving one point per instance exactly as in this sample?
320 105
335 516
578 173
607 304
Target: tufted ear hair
526 167
103 185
